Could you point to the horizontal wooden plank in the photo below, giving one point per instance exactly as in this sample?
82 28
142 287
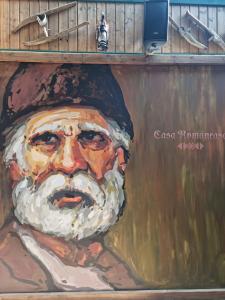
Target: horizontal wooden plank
184 2
199 2
214 294
100 58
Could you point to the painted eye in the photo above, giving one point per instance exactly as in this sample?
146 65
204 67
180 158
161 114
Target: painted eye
92 139
47 138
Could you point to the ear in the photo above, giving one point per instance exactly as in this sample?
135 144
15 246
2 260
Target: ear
15 172
121 159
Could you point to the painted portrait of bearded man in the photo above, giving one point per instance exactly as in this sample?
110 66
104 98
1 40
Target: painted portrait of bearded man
65 137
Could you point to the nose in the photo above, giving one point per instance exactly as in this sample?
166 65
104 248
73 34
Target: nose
69 158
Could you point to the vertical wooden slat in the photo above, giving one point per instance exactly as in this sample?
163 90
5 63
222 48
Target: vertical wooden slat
44 6
217 26
171 30
4 24
73 34
138 27
34 27
53 25
92 27
192 49
14 19
120 39
184 45
221 23
194 10
24 32
111 19
203 16
83 31
63 24
100 8
129 28
167 46
175 38
212 23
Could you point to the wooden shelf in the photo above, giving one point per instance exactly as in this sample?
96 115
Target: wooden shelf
99 58
214 294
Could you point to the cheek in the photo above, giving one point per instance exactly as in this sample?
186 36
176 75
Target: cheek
38 162
99 161
15 172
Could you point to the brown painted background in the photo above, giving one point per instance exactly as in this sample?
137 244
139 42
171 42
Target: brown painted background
173 228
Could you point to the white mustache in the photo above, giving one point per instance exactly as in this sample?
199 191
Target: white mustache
33 204
80 182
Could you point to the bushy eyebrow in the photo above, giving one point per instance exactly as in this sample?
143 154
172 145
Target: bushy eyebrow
83 126
87 126
46 127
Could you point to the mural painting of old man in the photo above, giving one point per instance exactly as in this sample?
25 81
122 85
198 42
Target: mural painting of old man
65 140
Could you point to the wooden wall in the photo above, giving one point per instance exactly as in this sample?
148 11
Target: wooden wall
172 230
213 17
125 21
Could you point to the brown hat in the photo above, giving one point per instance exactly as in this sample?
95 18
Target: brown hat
40 86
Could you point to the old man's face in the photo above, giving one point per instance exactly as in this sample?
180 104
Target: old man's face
67 169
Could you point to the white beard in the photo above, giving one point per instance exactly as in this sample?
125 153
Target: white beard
32 205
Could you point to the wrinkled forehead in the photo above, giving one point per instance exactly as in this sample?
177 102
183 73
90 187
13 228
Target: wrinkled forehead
67 119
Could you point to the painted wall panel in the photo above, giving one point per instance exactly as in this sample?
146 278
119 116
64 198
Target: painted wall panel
171 233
